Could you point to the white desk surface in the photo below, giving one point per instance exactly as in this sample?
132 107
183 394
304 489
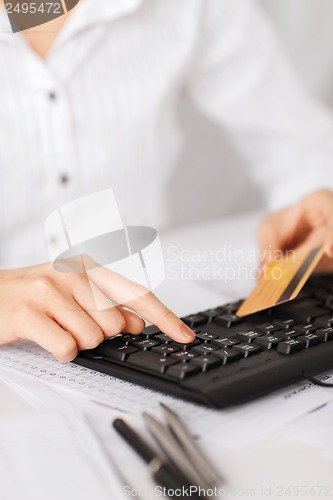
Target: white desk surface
274 468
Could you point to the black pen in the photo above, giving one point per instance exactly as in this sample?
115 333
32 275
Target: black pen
164 474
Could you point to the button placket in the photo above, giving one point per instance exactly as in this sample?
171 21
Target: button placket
57 149
64 161
66 157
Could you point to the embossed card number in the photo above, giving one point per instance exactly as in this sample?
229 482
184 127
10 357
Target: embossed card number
24 15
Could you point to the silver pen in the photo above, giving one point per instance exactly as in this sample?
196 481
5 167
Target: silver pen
200 462
174 451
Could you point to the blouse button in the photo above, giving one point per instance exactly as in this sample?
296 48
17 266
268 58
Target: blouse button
64 179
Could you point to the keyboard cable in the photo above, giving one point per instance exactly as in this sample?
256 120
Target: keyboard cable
316 381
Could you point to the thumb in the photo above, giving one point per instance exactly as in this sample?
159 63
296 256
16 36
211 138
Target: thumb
316 239
329 242
281 231
269 238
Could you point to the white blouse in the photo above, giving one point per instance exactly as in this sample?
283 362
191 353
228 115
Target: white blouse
101 111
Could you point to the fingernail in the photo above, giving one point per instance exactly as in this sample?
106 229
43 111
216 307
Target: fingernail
329 251
187 332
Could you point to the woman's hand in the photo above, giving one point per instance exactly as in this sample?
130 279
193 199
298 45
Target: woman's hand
58 311
304 226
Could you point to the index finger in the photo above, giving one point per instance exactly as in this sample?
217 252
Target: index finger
140 299
154 311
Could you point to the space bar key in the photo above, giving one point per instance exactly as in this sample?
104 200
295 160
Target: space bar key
151 361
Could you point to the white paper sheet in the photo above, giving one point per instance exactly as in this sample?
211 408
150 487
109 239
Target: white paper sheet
261 418
49 455
314 429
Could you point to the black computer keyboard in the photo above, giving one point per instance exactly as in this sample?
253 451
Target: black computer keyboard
232 360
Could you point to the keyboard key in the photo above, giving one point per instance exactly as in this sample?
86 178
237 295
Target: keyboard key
212 313
310 339
205 336
110 349
151 361
303 310
286 323
227 320
145 344
207 362
304 294
326 320
194 320
289 333
204 349
224 342
164 339
307 328
290 346
161 337
185 347
182 370
267 327
326 334
320 294
323 280
165 349
184 355
247 349
267 341
190 345
232 307
329 301
150 331
248 336
127 338
228 355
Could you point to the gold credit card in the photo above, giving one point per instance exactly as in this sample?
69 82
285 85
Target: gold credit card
281 281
